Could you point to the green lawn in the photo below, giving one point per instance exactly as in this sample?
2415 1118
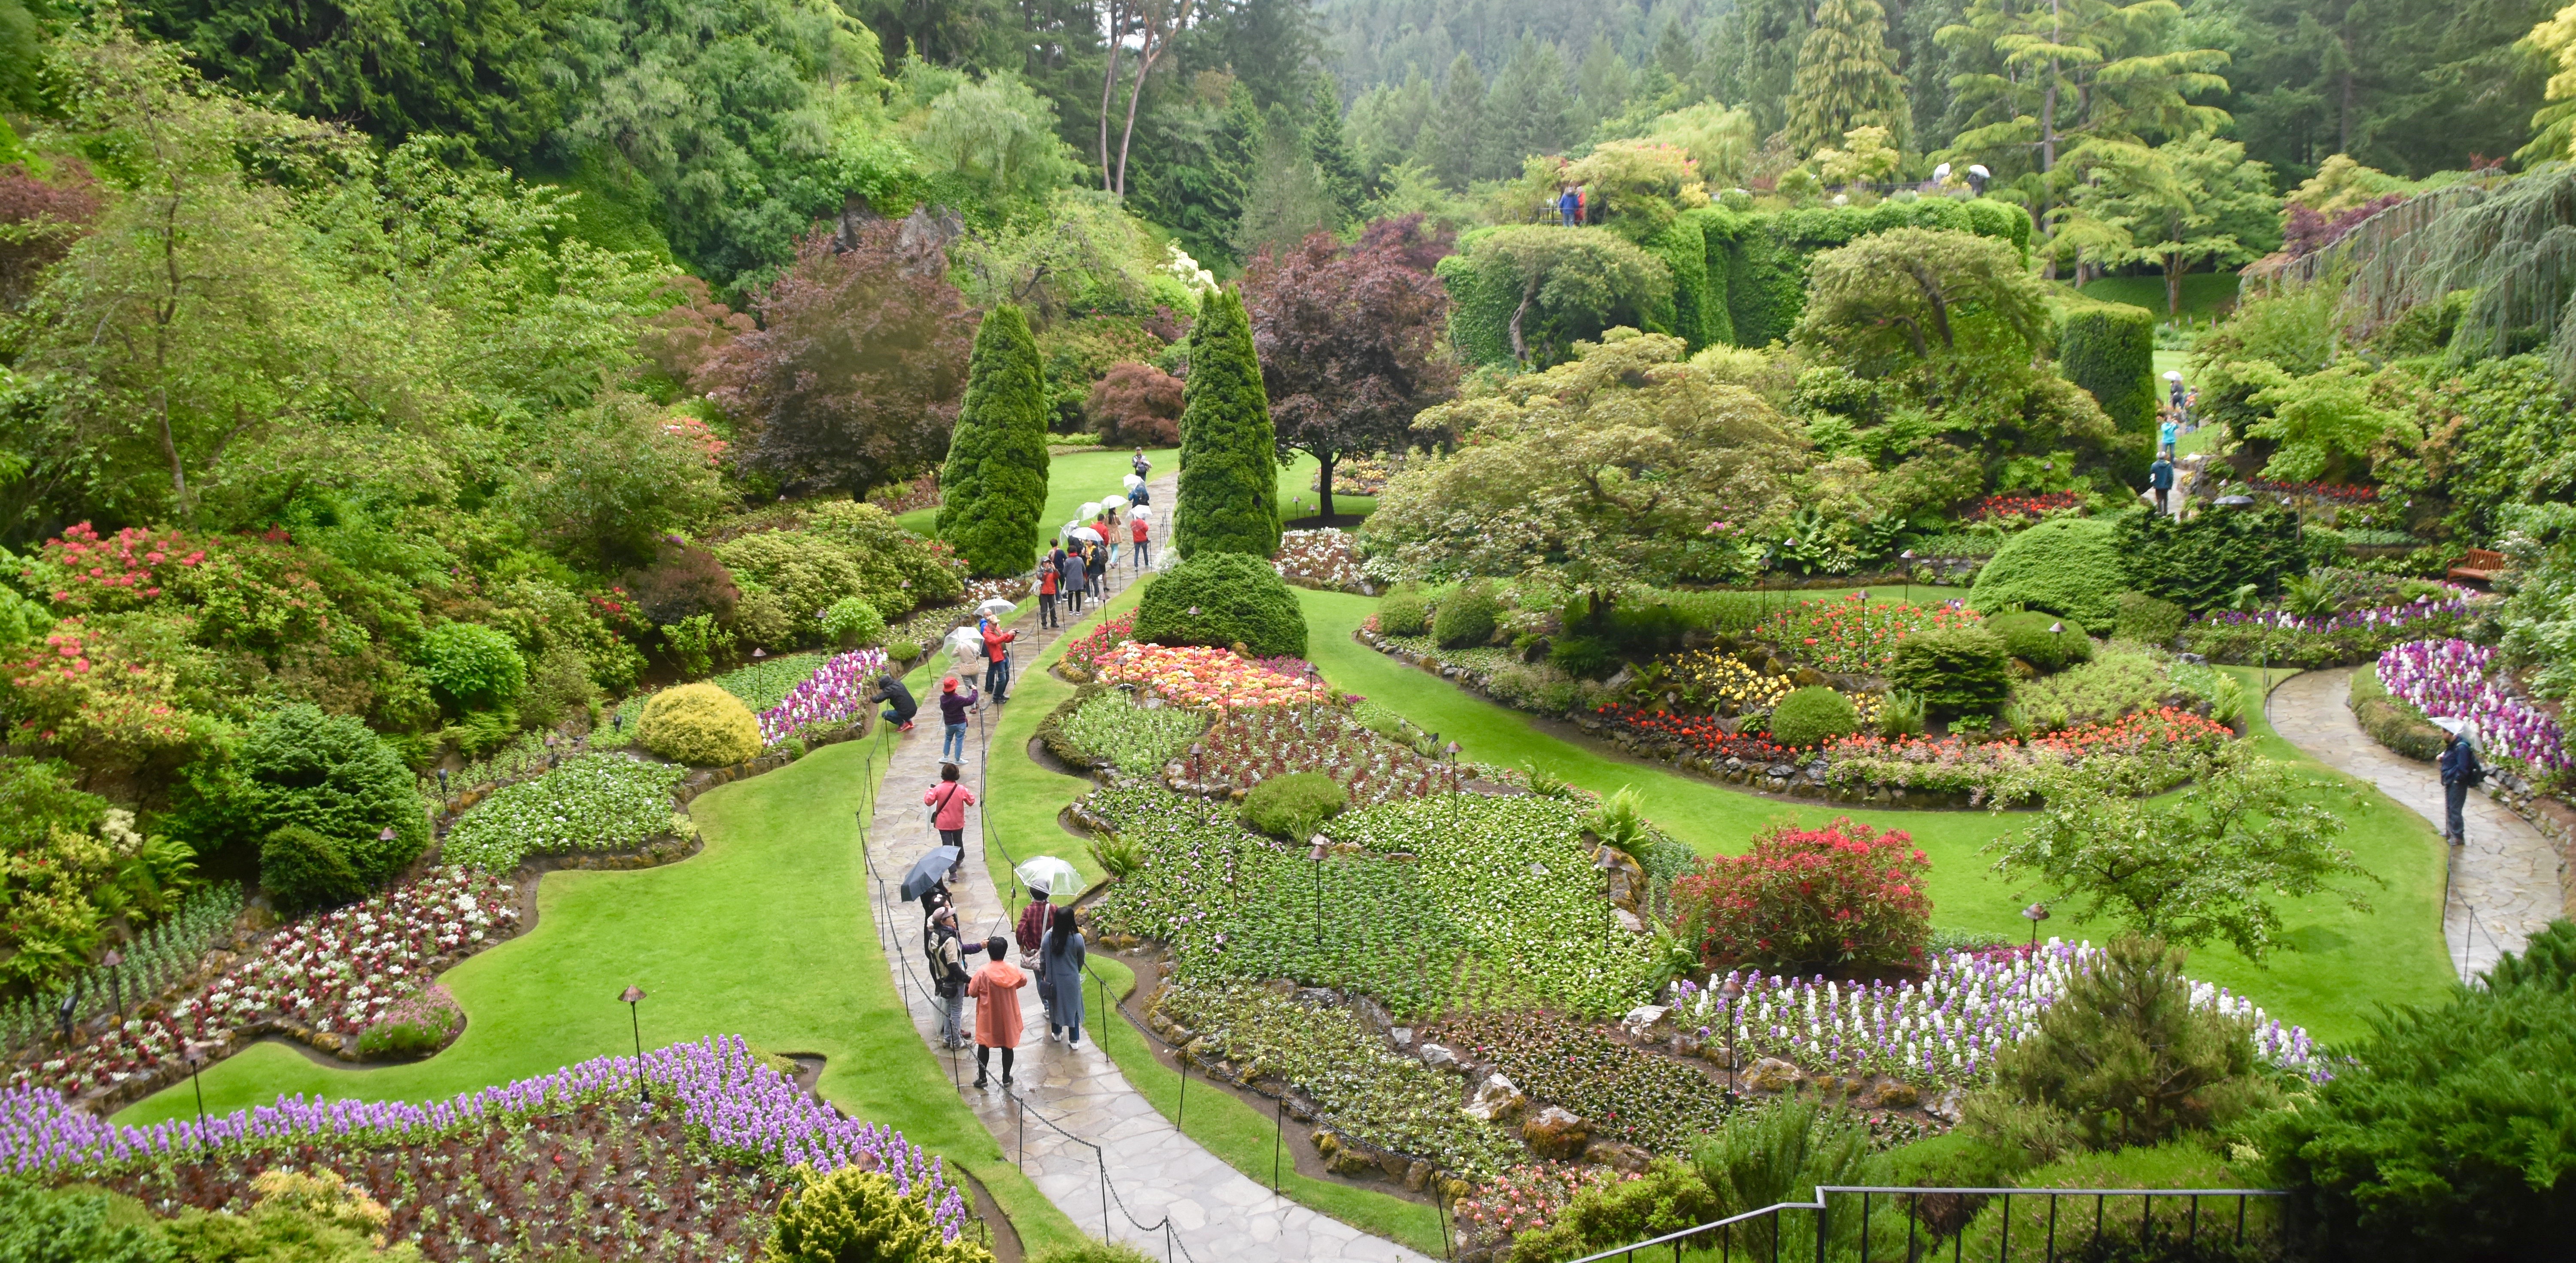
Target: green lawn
2204 294
767 933
1298 497
1072 481
2351 962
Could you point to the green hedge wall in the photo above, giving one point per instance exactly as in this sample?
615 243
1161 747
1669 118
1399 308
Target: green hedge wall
2110 350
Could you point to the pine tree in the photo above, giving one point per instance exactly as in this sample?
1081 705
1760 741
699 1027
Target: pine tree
1229 493
1771 34
994 485
1449 136
1528 111
1336 162
1846 78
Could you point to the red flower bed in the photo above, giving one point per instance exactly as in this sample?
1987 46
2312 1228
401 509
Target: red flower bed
1852 633
2024 505
1801 897
1701 733
1092 647
2335 492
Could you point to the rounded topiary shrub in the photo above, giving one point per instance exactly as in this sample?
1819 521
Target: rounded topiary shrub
851 1213
2148 620
700 725
2026 636
853 623
1955 670
1467 618
1223 599
1812 717
303 870
2069 567
329 774
1401 614
473 665
1294 806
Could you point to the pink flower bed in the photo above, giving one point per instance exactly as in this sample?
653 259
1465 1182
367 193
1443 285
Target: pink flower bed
1192 675
2447 679
335 971
837 690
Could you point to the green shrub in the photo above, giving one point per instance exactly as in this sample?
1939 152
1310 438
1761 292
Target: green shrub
2449 1145
1812 716
1294 806
2391 721
1400 614
1467 616
1228 501
1223 599
2027 637
303 870
1956 671
904 650
76 1225
851 1214
1582 657
2199 562
700 725
2065 566
472 665
2122 679
2109 349
329 774
853 623
1780 1152
2148 620
1901 715
994 485
1668 1197
786 578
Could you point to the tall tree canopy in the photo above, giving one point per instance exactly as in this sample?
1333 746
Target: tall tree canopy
1846 78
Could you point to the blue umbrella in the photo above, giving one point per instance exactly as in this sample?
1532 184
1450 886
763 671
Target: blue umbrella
930 870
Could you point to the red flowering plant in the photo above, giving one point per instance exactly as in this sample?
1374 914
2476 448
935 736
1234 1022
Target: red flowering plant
1526 1199
1854 634
697 434
2018 505
2160 741
87 690
84 571
1843 894
1086 652
1700 734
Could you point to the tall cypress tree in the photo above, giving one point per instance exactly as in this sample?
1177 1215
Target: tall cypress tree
1229 498
1846 78
994 485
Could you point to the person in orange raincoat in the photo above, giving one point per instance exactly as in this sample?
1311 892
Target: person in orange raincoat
996 990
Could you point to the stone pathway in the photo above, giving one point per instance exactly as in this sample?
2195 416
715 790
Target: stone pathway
2503 884
1217 1215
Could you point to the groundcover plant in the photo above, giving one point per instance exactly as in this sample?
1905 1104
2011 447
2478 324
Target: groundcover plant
597 802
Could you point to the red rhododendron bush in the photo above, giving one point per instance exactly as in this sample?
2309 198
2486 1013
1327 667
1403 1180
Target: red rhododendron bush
1843 894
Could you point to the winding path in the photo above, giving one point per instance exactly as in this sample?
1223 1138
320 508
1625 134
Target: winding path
1217 1215
2503 884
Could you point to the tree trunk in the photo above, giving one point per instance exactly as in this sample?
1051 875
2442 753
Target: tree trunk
1108 93
2175 266
1325 458
1145 58
1520 349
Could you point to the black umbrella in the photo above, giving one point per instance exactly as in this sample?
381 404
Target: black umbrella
930 870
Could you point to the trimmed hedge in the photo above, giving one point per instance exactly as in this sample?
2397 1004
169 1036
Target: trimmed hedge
700 725
1467 618
994 485
1294 806
2026 636
2391 722
2199 562
2148 620
1401 614
1955 670
2066 566
1812 716
1223 599
2110 350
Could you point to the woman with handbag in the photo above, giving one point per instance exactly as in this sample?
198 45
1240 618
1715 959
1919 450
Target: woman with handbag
947 802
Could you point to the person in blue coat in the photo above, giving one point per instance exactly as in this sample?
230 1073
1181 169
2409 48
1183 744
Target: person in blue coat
1060 961
2460 774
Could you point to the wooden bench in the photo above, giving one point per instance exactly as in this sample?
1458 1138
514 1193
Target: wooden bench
2480 566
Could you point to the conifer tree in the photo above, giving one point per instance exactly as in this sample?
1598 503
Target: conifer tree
994 485
1229 487
1846 78
1451 136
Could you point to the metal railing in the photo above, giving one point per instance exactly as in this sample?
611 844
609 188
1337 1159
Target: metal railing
1763 1235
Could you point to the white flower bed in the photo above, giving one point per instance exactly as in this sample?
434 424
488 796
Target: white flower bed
598 802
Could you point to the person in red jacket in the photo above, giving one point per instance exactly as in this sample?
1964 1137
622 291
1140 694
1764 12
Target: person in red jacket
1137 529
1050 572
951 798
997 659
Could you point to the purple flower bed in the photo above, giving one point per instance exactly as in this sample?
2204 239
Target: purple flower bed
2447 679
837 690
2379 619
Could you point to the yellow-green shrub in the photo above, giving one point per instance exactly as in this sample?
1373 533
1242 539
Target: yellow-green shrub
700 725
857 1214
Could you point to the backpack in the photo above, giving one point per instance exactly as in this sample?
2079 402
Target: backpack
942 980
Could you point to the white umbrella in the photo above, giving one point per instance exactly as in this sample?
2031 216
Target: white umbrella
1089 511
2173 375
1141 514
2460 728
1087 534
995 608
964 644
1052 875
1133 482
1113 502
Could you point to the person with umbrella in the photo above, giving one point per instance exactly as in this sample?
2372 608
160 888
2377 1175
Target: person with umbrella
927 881
996 988
900 708
1060 964
1072 569
952 713
1140 464
1137 529
1050 573
1095 564
2461 772
997 653
948 801
948 977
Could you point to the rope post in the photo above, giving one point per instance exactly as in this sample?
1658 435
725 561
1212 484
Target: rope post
1280 1123
1103 1156
1181 1111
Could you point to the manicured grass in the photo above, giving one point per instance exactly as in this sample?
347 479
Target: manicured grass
2204 294
2349 963
1297 487
1072 481
767 933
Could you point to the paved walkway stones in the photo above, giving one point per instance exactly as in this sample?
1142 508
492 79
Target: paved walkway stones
2504 883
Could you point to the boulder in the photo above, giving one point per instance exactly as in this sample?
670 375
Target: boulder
1947 1107
1773 1075
1643 1019
1496 1100
1899 1096
1556 1132
1438 1057
1617 1155
1417 1176
1400 1036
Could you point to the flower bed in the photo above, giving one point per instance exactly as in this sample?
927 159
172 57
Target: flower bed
598 802
1624 1092
2448 679
1526 1198
1195 675
1938 1033
1248 746
1986 770
557 1164
1854 635
831 694
1084 653
1704 679
332 972
1698 734
1353 476
1327 559
1365 1090
2023 505
1110 728
2286 639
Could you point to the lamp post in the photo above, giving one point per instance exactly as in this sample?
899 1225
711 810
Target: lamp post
196 1058
632 997
1316 858
113 962
1732 991
2035 914
1908 558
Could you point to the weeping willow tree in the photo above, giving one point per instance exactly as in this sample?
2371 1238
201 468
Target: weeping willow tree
2512 244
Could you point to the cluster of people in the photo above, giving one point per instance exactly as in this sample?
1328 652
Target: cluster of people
1052 956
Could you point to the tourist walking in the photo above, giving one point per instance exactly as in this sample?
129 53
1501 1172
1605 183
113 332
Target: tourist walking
1095 564
1031 933
1048 576
948 977
1060 978
1137 529
1568 206
1140 464
997 654
1074 582
996 988
2461 773
900 708
948 801
953 706
2160 479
